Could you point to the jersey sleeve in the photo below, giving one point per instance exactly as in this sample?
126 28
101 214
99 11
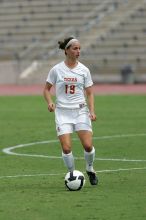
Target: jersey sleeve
51 77
88 79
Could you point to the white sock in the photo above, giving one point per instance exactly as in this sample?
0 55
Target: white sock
89 158
69 161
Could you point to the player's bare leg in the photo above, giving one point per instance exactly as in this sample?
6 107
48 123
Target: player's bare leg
67 155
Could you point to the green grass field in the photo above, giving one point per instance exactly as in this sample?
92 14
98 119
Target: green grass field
32 186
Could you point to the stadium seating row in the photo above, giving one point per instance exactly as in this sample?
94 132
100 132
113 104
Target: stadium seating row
112 33
29 21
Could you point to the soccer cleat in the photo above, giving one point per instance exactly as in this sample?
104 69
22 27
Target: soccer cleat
92 177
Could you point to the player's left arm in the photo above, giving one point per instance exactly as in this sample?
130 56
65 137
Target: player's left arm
90 99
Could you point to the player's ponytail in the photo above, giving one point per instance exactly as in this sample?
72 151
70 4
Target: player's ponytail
62 44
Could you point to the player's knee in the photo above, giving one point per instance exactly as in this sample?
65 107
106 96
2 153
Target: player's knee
66 150
88 148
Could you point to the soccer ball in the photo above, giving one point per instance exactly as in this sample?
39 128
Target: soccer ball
74 180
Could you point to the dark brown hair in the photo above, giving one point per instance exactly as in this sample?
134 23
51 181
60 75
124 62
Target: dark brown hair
62 44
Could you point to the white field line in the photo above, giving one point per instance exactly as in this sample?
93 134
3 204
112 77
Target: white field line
9 150
57 174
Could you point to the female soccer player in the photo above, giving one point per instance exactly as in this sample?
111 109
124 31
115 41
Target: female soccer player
72 112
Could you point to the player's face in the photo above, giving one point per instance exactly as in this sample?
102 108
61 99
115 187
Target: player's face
73 51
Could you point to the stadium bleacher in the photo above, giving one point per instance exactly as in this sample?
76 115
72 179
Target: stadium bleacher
112 33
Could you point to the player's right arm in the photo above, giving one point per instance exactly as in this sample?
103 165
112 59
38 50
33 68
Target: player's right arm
48 97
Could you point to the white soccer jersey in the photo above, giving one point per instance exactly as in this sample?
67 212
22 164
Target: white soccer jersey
70 84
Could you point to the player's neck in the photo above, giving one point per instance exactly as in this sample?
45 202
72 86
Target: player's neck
71 63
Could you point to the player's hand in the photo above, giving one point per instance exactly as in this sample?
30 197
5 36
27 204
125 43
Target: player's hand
92 116
51 107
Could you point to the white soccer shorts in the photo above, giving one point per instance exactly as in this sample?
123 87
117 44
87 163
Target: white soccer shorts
70 120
